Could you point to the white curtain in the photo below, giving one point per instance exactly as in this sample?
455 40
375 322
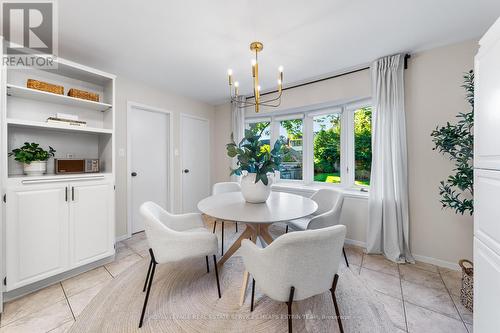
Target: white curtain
388 203
237 127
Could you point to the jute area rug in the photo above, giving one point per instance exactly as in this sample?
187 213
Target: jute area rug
184 299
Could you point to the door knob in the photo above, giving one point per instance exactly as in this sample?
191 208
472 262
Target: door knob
133 174
186 170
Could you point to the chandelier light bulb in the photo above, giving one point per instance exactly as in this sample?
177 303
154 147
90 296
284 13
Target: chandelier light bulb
230 72
236 84
258 88
254 62
280 69
279 82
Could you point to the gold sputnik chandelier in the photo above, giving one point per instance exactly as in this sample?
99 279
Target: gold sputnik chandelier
234 93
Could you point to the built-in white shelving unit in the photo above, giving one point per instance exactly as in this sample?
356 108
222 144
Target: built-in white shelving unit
56 223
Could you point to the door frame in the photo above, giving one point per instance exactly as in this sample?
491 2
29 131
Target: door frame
170 176
209 166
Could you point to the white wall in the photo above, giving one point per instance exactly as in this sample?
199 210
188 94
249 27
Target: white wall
433 96
131 90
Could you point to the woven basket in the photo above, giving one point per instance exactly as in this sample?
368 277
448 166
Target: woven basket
44 86
82 94
467 291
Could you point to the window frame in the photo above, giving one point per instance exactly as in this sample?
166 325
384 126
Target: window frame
347 144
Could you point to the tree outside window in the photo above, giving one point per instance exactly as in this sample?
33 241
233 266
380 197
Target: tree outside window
362 146
291 130
326 148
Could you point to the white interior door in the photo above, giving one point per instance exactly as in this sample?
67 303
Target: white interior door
149 156
195 144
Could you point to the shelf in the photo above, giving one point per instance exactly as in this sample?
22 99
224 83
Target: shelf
56 127
38 95
51 176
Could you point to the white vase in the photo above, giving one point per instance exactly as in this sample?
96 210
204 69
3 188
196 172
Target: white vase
255 192
35 168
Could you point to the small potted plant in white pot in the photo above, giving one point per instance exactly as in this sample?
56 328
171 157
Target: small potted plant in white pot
33 157
257 163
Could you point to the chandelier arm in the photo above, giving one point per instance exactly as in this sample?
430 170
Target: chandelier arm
273 99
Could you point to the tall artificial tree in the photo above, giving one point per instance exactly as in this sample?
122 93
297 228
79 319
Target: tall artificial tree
456 142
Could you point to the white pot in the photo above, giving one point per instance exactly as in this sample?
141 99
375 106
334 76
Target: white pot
255 192
35 168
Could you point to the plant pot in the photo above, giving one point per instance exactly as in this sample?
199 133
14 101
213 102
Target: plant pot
467 289
35 168
255 192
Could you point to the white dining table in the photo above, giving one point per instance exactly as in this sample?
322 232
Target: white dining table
257 218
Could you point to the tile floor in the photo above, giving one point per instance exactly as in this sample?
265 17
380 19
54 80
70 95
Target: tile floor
418 298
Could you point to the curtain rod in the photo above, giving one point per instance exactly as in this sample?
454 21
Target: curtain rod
407 56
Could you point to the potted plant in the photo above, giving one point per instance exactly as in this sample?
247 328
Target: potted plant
456 142
33 157
256 162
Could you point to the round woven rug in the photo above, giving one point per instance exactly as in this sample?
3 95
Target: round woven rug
184 299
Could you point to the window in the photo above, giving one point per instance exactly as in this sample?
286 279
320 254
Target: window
330 146
326 148
362 146
291 131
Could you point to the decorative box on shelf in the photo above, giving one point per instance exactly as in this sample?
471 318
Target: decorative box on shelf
44 86
70 122
83 95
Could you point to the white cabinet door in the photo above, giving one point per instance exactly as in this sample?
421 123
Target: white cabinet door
36 233
487 101
487 208
486 289
91 221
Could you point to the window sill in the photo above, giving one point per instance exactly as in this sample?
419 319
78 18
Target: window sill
310 189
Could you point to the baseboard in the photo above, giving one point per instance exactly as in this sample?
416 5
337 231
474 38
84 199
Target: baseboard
19 292
437 262
355 242
122 237
424 259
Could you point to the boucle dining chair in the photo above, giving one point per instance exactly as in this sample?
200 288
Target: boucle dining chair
282 270
174 238
330 204
225 187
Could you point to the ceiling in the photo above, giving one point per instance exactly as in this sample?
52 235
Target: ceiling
186 46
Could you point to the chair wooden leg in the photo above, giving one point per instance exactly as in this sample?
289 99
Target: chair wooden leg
215 224
286 229
147 276
222 243
335 304
208 267
149 287
253 295
345 257
289 303
236 226
217 276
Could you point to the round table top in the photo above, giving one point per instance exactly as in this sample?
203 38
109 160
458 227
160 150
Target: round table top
278 207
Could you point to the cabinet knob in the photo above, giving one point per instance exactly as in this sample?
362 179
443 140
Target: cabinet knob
133 174
186 170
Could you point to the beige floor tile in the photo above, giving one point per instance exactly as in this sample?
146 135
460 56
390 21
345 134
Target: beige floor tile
379 263
77 284
462 310
453 281
394 308
354 254
63 328
413 274
31 303
44 320
122 264
426 267
430 298
79 301
421 320
123 252
384 283
138 245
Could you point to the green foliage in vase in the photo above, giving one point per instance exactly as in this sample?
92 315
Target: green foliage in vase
254 157
31 152
456 142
